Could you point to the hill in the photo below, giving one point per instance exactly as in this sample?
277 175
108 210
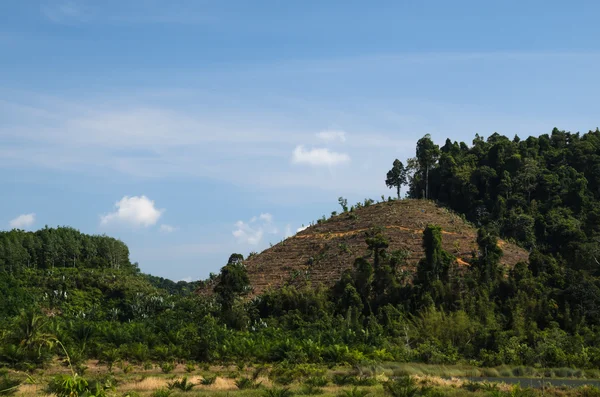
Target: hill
321 252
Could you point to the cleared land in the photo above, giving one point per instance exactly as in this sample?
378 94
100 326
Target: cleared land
322 252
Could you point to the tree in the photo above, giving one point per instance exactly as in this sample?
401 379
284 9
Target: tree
489 256
233 282
427 155
435 265
396 177
344 203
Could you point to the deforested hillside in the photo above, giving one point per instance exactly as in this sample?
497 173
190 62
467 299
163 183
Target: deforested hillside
323 251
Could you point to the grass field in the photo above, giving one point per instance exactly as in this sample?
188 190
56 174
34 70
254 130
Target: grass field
426 380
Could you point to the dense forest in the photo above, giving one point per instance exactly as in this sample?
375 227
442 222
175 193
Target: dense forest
542 193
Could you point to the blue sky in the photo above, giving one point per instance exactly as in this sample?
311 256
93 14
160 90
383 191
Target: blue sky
194 129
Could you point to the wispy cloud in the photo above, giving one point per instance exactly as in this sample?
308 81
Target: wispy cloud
133 211
252 233
332 136
22 221
318 157
167 228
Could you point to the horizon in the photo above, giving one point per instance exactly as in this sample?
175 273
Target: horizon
201 129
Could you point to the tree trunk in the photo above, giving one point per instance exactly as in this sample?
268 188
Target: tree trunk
427 182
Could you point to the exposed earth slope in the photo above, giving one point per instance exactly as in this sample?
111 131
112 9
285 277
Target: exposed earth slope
323 251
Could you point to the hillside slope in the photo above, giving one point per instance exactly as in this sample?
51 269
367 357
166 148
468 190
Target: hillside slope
322 252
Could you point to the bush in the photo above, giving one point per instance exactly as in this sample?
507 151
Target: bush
310 390
208 380
148 366
167 367
74 385
355 392
247 383
402 387
190 367
318 381
181 384
284 380
343 379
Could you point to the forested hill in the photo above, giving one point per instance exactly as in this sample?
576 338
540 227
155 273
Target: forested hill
487 305
73 274
542 192
51 248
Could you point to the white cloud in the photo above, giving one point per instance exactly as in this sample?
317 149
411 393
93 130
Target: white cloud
167 228
268 218
187 279
318 157
133 211
301 229
253 232
246 234
22 221
332 135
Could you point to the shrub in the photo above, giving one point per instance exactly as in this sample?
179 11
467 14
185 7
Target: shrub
477 386
401 387
181 384
208 380
284 380
343 379
167 367
148 366
247 383
74 385
190 367
355 392
318 381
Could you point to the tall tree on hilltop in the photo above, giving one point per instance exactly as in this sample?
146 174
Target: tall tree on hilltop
396 177
427 155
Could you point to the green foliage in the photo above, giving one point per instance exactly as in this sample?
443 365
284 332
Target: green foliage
317 381
538 317
404 386
182 384
74 385
397 176
247 383
167 367
354 392
208 380
190 367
